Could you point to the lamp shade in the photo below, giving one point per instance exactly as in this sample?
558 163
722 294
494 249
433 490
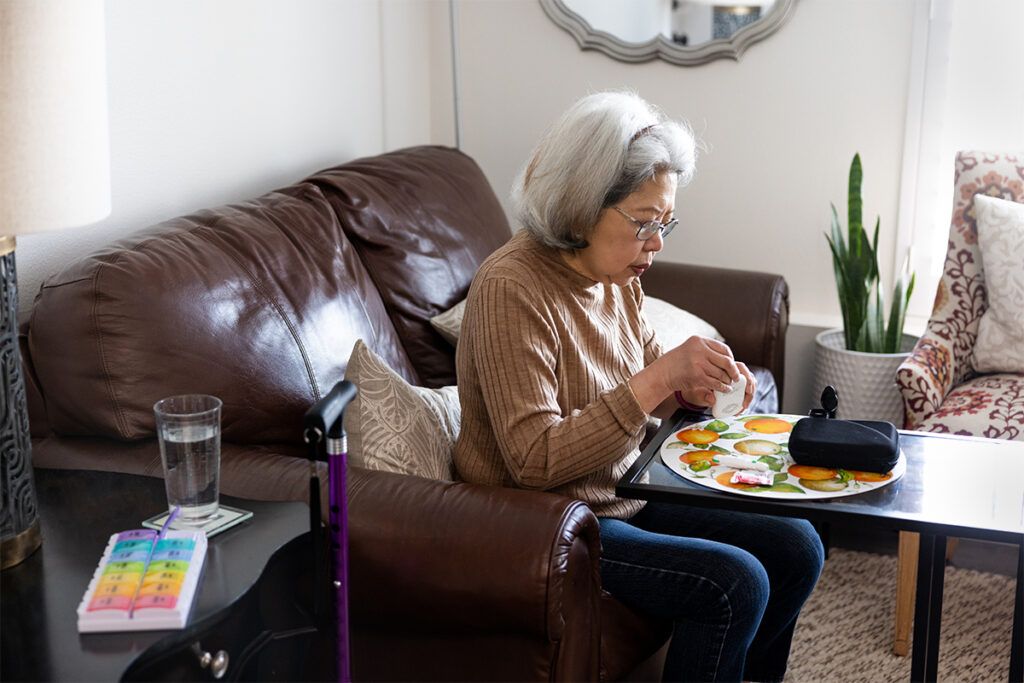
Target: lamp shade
54 173
54 149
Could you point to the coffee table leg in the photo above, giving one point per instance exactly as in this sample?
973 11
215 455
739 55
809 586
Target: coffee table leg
1017 634
931 566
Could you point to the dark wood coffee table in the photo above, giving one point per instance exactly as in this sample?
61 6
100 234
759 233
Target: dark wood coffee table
249 603
954 486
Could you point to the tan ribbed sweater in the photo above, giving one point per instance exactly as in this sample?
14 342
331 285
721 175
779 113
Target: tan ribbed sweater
543 360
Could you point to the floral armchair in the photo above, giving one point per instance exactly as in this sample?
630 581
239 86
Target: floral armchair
941 390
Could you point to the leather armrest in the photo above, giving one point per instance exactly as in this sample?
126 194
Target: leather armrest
749 308
463 557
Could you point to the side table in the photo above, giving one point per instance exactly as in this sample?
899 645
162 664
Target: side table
248 604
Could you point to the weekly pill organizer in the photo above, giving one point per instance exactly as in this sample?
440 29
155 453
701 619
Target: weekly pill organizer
145 581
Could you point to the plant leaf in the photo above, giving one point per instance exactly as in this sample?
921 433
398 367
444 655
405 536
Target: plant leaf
854 205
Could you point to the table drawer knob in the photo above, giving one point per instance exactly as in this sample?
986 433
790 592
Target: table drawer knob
216 663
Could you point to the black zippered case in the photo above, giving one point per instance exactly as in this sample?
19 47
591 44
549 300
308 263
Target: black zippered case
870 446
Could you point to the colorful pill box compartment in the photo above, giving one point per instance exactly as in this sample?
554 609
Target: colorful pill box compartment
127 595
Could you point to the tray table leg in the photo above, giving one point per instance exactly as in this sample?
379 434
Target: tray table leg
1017 634
931 566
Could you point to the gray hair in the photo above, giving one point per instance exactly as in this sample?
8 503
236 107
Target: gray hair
600 151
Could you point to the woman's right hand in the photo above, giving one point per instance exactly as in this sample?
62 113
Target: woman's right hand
697 368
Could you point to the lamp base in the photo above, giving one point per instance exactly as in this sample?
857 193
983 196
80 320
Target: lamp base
19 517
15 549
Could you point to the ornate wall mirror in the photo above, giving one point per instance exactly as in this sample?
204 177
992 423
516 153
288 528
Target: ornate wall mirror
686 32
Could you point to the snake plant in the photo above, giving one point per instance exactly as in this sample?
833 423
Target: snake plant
861 295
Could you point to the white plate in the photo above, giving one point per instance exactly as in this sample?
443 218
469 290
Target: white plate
766 436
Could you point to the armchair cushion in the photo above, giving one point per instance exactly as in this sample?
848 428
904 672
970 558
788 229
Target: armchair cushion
1000 344
395 427
989 405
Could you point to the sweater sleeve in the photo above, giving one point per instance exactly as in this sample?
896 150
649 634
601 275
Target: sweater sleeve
515 351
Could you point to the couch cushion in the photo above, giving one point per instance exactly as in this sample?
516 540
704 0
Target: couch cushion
257 303
422 220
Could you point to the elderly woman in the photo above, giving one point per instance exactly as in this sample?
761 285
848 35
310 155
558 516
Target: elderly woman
559 371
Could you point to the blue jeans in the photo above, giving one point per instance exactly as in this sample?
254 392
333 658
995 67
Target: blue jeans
732 584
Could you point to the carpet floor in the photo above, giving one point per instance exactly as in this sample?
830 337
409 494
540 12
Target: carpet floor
845 630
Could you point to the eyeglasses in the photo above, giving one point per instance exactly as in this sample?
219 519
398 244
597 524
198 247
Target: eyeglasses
648 229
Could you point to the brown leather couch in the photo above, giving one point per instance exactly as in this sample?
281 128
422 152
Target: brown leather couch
260 303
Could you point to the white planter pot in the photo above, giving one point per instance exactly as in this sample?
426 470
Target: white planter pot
866 382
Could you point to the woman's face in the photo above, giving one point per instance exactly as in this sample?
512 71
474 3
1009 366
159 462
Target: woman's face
615 255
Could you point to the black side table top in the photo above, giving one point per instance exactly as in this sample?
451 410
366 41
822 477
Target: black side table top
79 510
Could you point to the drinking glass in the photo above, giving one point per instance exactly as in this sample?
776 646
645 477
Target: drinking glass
188 429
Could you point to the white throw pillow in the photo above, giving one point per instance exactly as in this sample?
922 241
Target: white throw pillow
449 323
672 324
396 427
1000 343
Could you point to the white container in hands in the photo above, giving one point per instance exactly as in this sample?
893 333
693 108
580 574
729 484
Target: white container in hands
730 403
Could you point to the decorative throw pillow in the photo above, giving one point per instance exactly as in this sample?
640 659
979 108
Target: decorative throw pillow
672 324
396 427
1000 343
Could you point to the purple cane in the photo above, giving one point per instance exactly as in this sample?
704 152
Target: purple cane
336 463
325 418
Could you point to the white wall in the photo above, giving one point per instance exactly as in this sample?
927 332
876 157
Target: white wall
781 126
214 102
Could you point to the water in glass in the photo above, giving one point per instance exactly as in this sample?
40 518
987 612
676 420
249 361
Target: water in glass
191 469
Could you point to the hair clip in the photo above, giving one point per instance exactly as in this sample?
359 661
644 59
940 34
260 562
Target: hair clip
640 133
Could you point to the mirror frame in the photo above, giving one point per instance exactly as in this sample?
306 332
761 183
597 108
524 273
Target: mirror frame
589 38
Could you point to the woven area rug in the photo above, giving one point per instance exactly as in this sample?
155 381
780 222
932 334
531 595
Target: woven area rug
845 630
